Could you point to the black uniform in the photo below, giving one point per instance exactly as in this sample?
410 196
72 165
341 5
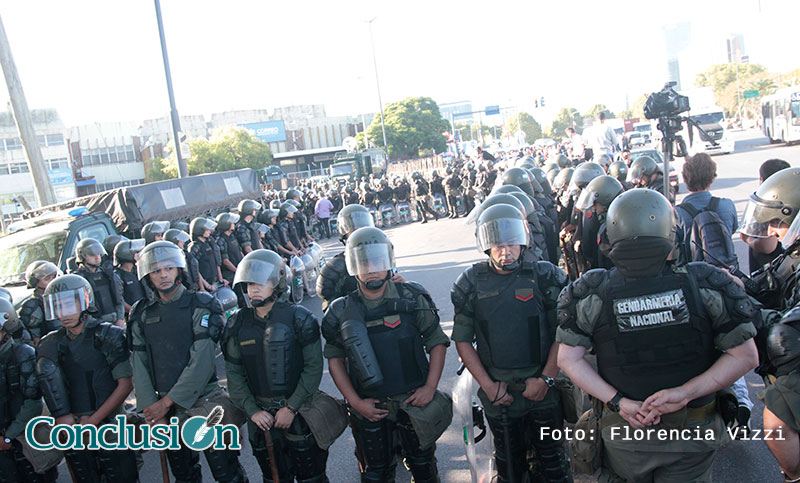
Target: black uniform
76 376
352 198
107 287
20 400
247 235
208 258
229 249
658 185
133 289
369 198
452 185
31 314
334 281
421 195
386 195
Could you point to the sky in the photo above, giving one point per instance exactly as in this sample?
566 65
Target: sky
100 60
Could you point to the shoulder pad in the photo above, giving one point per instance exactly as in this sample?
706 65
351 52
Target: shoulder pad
700 270
332 318
207 301
306 325
110 340
709 276
24 353
194 247
216 320
415 288
334 268
551 274
26 360
589 282
48 345
462 287
231 331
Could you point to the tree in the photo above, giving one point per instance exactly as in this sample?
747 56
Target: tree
597 109
155 172
722 79
412 125
566 117
637 110
228 148
526 123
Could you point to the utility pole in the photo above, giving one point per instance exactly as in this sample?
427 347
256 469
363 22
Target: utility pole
22 116
380 102
183 170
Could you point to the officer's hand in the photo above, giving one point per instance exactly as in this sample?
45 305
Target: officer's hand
89 420
157 410
263 420
665 401
577 246
422 396
120 324
3 445
397 278
498 394
366 408
225 282
535 389
283 418
630 412
67 419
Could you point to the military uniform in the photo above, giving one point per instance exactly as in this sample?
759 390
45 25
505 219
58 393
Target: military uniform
108 290
512 317
77 374
334 281
31 314
400 327
452 185
273 363
247 235
133 290
173 349
208 257
229 249
20 401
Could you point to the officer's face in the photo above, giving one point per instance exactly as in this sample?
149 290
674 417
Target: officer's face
164 278
206 233
373 276
505 254
93 259
70 321
778 229
257 291
158 236
45 281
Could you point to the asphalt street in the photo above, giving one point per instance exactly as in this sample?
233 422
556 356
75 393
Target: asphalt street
436 253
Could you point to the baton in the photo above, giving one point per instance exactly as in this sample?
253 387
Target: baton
164 468
273 463
507 442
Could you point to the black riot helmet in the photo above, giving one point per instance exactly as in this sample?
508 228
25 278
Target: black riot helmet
562 161
174 236
275 204
6 295
529 209
503 199
38 270
507 188
111 241
641 227
180 225
521 178
150 230
159 255
287 208
67 295
541 177
619 170
227 298
125 251
293 194
9 321
88 247
643 166
500 225
563 178
227 221
249 207
266 216
200 225
351 218
583 174
369 250
603 159
263 267
601 190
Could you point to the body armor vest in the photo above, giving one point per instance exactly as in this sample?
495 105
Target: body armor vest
86 371
132 289
396 341
271 354
206 261
255 237
271 240
234 250
512 330
11 398
654 334
169 334
103 288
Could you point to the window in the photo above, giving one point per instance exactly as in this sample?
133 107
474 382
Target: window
59 163
13 143
40 139
3 169
17 168
55 139
97 231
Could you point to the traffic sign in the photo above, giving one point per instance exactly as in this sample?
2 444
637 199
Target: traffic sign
750 94
492 110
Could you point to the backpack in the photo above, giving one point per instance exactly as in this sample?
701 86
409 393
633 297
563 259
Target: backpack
708 239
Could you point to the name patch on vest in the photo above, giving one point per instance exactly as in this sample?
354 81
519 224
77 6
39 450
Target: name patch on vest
651 311
247 342
152 320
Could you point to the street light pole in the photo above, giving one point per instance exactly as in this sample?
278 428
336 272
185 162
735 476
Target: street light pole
380 102
183 170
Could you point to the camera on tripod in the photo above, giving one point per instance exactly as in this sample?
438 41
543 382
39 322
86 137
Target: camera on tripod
665 103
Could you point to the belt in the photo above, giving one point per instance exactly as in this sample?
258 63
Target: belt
694 414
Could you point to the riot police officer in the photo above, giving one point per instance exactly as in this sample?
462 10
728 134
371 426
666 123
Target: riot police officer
645 173
248 238
593 202
38 276
229 249
181 239
206 252
154 231
581 231
109 243
376 338
271 379
619 170
125 255
20 401
270 219
333 281
85 375
422 196
173 341
507 305
666 337
452 184
106 284
287 232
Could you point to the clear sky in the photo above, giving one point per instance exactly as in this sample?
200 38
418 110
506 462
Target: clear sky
100 60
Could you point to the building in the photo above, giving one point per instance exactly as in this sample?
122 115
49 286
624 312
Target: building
106 156
735 48
16 182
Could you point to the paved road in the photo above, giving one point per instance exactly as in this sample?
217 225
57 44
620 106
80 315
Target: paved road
436 253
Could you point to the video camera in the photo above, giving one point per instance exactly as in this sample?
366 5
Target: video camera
665 103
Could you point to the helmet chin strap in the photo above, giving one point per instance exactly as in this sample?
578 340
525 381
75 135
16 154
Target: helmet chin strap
377 284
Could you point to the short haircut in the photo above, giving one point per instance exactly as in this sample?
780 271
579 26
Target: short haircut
770 167
601 115
569 129
699 171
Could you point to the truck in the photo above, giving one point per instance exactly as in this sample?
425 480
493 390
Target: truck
348 167
711 118
52 232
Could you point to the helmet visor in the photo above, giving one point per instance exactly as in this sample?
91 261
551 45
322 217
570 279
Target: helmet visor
586 200
793 234
634 173
374 257
137 245
160 257
354 221
501 232
66 303
159 227
45 270
93 249
257 271
758 214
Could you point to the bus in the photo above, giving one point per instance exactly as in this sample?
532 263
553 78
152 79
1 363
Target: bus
780 115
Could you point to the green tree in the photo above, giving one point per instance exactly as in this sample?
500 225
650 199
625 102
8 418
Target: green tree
722 79
637 110
412 125
156 171
566 117
526 123
228 148
597 109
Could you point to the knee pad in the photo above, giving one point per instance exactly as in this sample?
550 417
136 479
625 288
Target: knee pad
83 465
185 466
118 465
307 458
224 465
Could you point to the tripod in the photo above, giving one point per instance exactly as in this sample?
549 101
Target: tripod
670 127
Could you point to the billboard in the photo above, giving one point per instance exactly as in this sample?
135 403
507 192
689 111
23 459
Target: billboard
269 131
61 176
